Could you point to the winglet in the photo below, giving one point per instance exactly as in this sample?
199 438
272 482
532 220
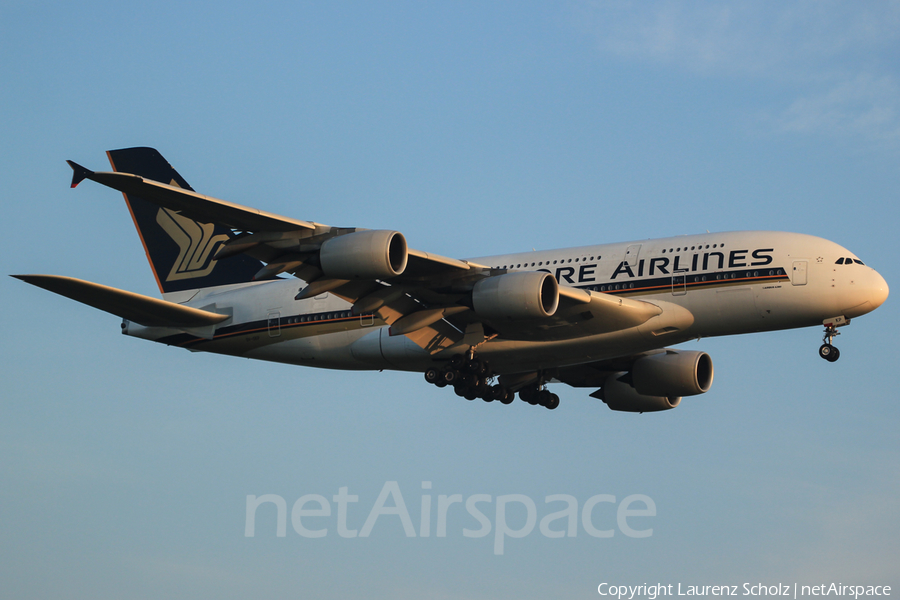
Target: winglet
79 173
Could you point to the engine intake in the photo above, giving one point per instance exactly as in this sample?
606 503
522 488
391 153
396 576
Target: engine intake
672 373
515 296
378 254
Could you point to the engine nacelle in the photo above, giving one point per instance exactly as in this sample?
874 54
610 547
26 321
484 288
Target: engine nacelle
619 395
514 296
673 373
364 255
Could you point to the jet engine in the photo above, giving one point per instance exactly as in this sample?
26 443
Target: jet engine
658 381
672 373
618 394
378 254
515 296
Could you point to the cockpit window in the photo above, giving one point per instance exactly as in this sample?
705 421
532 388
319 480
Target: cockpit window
849 261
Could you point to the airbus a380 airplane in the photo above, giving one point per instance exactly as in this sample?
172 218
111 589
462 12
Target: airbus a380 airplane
240 281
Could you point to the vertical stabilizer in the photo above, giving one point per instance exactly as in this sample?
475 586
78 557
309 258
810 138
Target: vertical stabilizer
180 250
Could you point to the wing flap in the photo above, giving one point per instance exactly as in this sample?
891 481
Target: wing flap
615 312
140 309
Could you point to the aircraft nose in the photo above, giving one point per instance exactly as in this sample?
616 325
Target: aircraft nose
865 293
878 290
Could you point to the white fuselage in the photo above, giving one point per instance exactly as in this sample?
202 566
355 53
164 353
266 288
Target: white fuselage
708 285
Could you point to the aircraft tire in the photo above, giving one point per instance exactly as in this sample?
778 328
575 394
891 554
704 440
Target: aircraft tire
543 397
829 352
432 375
553 402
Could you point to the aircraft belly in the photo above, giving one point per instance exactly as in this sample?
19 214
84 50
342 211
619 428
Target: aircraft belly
383 351
726 311
327 351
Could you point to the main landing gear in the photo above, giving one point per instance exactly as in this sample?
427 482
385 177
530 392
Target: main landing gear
539 395
827 350
472 378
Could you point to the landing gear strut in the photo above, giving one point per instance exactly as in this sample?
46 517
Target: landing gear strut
827 350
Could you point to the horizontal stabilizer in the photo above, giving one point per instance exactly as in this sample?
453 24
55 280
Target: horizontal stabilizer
144 310
79 173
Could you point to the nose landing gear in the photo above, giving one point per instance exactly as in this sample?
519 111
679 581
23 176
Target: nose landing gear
827 350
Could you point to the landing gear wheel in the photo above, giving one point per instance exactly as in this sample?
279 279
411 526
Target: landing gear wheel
432 375
553 402
529 395
829 352
476 366
508 398
470 379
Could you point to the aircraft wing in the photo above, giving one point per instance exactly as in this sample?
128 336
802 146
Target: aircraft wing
190 204
279 239
430 300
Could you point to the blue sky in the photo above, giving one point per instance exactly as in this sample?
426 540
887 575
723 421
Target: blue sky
473 129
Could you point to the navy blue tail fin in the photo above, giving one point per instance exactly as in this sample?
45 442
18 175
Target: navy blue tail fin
180 250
